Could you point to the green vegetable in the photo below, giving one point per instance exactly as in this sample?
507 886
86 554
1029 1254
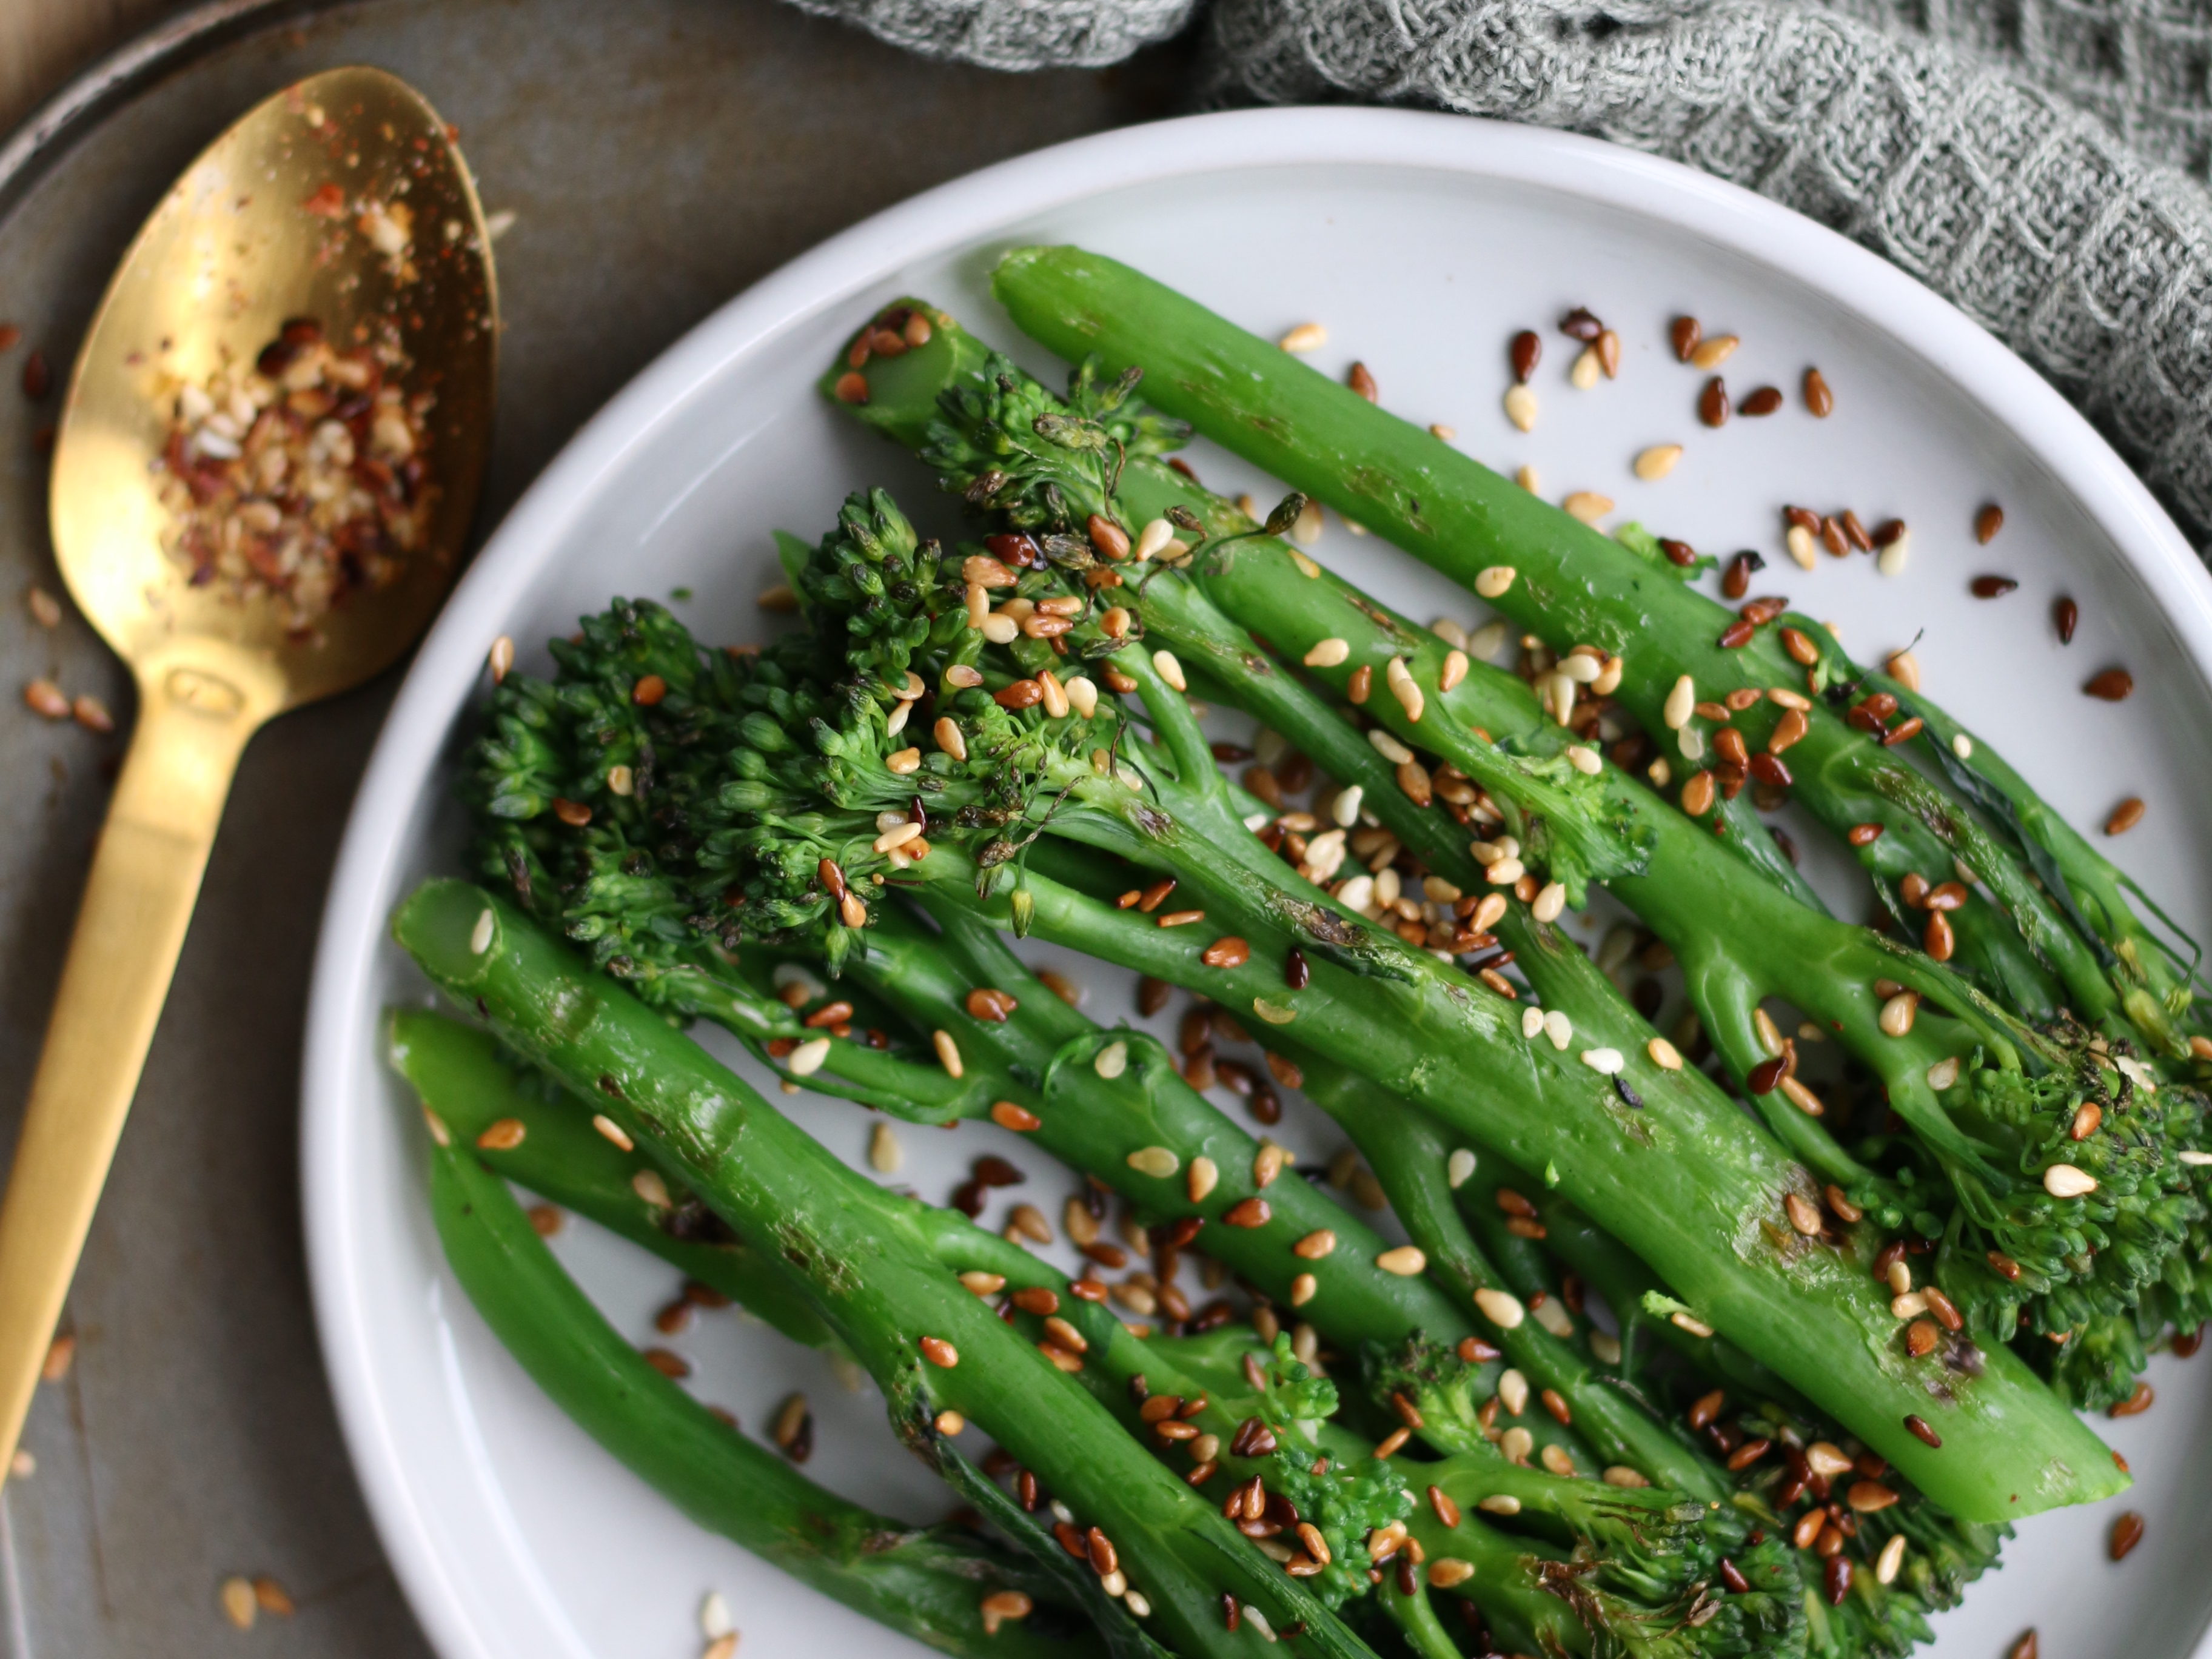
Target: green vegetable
1574 585
877 1267
1988 1135
928 1583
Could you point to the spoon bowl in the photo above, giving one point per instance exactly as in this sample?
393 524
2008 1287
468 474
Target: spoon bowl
335 227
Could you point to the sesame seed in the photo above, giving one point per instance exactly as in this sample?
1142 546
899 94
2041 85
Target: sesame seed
1492 581
1513 1391
1681 704
1405 1260
1943 1074
1532 1023
1695 1327
948 1052
1559 1028
1157 1162
940 1352
1891 1558
1587 505
1620 1474
1112 1061
1169 670
1520 407
1500 1503
613 1131
1306 336
1204 1174
1710 354
1500 1308
983 1284
1402 687
1607 1062
648 1186
1586 760
46 611
1657 461
503 1136
1587 367
808 1057
1663 1054
1303 1288
1315 1246
2124 818
1962 745
1328 654
240 1605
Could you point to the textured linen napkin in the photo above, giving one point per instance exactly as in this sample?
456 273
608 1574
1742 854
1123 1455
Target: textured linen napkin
2038 162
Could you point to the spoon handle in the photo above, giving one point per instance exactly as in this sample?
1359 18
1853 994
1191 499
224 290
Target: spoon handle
138 903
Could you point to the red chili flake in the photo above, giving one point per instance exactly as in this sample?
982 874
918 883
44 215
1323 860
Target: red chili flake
327 202
8 335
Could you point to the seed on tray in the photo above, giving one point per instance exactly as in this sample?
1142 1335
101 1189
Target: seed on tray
1306 336
1520 406
1526 352
1992 588
1588 505
1763 400
1657 461
2065 617
1580 324
1361 380
1588 367
1686 333
1987 522
1818 398
1713 403
2128 814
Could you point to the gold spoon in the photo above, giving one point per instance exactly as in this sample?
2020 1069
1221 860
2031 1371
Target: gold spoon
342 200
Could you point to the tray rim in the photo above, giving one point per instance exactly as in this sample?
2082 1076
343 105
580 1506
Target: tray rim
962 211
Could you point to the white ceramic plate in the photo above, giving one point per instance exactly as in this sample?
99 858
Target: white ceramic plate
1422 242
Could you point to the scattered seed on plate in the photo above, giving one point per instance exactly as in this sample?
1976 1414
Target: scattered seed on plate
2128 814
1585 375
1761 400
1306 336
1361 379
1713 403
1581 324
2065 617
1819 400
1657 461
1588 505
1712 353
1987 522
2113 685
1992 588
1686 333
1526 351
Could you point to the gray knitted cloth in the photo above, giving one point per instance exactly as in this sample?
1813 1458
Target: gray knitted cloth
2030 159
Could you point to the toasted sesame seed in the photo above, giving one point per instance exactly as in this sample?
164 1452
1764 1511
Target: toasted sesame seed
2124 817
1500 1308
1501 1502
1439 429
948 1052
1157 1162
983 1284
1905 668
1694 1326
1405 1260
1306 336
648 1186
504 1135
1897 1013
1492 581
1402 687
1711 353
240 1604
940 1352
808 1057
1943 1074
1588 505
1587 368
2065 1180
1169 668
1657 461
1803 1216
1303 1288
1328 654
613 1131
1663 1054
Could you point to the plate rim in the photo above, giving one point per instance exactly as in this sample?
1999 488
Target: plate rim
445 672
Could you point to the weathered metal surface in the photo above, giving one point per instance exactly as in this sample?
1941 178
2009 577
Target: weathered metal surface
658 156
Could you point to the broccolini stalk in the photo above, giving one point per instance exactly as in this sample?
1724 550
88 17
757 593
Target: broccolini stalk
872 1268
952 1589
547 1144
1026 1060
1666 1168
1575 585
1990 1132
